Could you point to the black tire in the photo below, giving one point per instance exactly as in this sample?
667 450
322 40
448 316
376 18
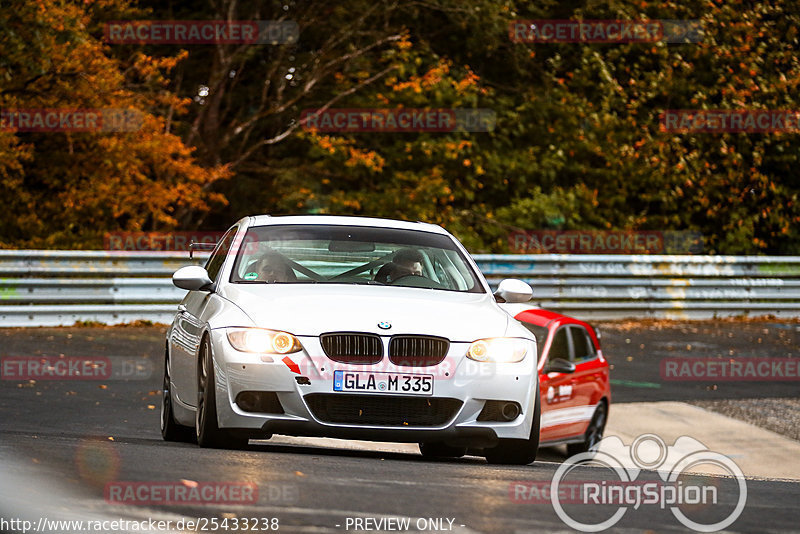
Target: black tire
594 433
440 450
518 451
170 430
206 425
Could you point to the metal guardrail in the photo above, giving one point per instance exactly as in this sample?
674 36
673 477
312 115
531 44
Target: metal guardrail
655 286
52 288
62 287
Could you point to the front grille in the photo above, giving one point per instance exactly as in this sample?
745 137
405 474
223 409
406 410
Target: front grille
352 347
380 410
490 412
417 351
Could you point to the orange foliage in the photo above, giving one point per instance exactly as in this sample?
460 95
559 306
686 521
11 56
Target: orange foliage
69 187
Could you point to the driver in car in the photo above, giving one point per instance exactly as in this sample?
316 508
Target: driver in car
273 268
406 262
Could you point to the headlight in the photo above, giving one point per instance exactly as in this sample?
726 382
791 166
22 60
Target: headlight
260 340
498 350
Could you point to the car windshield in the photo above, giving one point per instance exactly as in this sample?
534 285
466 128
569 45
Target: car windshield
541 335
296 254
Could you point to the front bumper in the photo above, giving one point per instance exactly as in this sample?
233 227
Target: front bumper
457 378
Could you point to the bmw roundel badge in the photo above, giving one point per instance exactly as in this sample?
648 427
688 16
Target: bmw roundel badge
384 325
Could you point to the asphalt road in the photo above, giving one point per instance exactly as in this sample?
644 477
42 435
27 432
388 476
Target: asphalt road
62 442
637 353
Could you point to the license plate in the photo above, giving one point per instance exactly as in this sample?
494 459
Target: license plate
383 382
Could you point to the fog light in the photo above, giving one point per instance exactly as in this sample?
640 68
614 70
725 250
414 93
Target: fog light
259 402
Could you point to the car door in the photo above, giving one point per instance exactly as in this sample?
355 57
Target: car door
186 334
561 409
588 378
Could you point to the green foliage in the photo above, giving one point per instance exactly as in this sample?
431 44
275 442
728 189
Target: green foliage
559 210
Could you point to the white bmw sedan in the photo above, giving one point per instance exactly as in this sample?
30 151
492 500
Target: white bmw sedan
352 328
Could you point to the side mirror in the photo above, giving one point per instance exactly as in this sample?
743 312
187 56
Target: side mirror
559 365
513 290
192 277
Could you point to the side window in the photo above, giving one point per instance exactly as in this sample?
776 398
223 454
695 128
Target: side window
582 344
560 346
214 263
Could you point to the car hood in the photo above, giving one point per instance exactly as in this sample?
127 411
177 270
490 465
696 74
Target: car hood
310 310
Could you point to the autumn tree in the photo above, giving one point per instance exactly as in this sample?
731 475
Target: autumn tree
67 188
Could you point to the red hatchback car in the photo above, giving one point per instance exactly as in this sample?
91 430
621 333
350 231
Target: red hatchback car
573 379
